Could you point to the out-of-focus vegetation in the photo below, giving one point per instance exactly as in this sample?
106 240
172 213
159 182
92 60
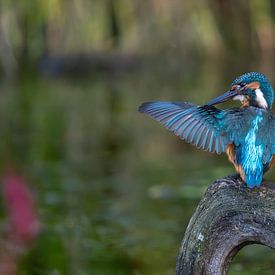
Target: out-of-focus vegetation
114 190
234 33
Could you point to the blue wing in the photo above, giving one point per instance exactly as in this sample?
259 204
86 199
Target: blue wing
202 126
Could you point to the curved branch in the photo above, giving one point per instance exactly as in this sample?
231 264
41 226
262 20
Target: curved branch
228 217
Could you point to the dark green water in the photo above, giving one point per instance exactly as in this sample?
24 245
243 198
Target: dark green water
115 190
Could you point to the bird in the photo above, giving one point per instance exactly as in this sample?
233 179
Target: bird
246 133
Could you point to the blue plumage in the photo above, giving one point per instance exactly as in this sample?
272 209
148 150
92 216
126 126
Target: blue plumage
245 134
195 124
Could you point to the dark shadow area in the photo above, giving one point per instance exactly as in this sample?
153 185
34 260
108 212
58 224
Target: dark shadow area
253 259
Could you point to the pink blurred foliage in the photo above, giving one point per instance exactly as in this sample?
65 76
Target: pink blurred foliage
24 225
19 203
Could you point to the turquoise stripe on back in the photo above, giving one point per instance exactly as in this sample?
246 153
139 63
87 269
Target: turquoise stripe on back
252 154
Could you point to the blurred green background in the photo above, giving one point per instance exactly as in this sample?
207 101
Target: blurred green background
114 189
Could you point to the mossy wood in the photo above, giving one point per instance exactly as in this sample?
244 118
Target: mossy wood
229 217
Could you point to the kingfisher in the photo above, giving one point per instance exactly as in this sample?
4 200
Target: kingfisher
246 134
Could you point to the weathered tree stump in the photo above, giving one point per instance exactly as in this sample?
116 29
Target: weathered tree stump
229 217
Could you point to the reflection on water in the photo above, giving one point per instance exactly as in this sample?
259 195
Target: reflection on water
115 189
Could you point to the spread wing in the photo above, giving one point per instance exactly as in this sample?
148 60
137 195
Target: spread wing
202 126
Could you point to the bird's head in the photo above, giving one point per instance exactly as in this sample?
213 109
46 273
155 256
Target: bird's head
252 89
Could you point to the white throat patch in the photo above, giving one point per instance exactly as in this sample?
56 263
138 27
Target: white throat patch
260 98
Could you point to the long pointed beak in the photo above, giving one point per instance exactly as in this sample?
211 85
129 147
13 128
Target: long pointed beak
222 98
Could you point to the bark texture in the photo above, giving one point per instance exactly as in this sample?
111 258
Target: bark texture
228 217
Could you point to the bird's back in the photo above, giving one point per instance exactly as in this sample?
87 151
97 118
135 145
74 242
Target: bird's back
252 150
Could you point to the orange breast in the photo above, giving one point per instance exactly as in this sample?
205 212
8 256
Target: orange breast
271 163
230 151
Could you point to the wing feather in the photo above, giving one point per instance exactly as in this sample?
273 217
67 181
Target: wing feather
198 125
